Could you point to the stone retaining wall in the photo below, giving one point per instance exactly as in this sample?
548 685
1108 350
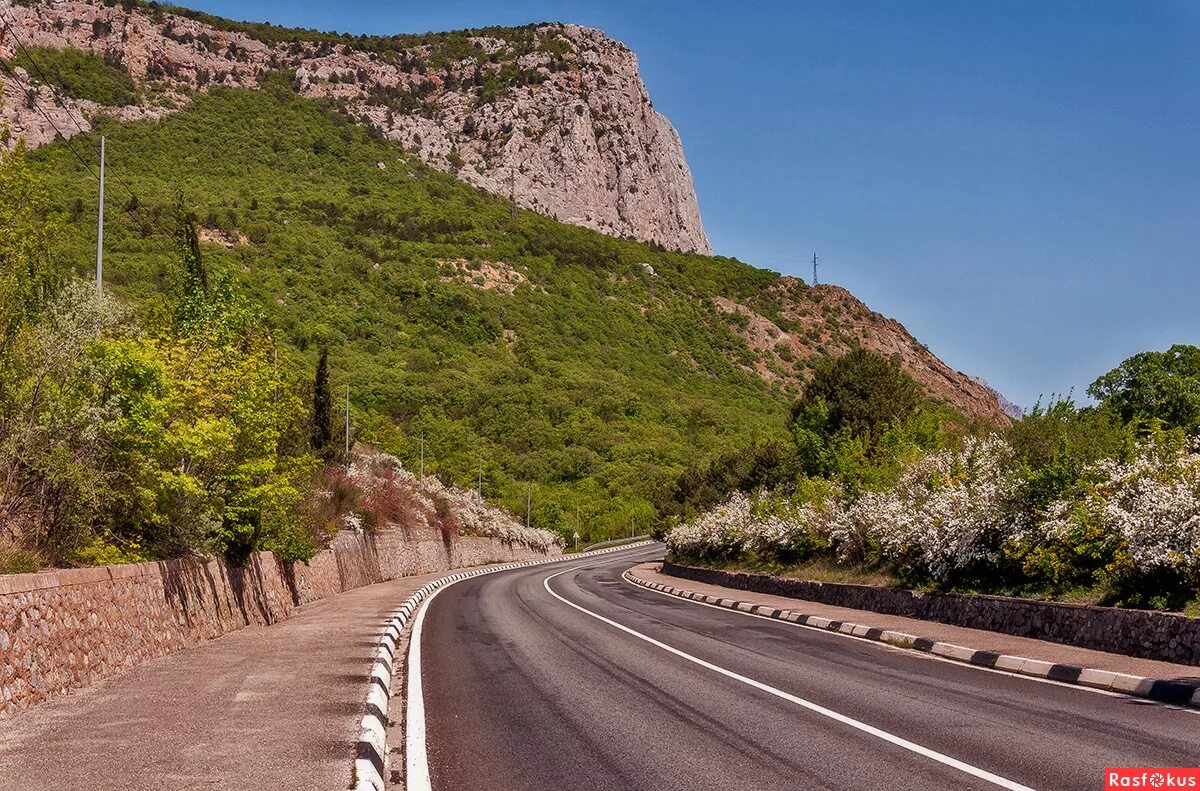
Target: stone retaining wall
61 630
1151 635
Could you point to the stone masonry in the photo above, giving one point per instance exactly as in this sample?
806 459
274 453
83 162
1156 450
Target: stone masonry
66 629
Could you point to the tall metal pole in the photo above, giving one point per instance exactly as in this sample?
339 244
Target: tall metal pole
422 461
347 448
512 193
100 227
528 502
479 494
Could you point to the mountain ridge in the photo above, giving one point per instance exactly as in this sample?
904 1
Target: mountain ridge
555 116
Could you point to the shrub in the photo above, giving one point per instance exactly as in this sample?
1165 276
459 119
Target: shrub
82 75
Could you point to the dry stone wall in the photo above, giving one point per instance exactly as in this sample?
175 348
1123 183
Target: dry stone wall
62 630
1153 635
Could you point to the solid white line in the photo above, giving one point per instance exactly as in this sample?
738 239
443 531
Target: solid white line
941 758
416 752
925 654
416 773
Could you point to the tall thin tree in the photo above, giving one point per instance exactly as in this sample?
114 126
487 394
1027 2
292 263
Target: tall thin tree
322 413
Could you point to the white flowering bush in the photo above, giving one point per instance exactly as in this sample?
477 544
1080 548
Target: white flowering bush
386 495
1135 525
947 518
1128 529
743 527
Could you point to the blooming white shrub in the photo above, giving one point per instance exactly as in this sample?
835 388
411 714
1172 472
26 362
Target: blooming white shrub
951 511
960 516
736 527
1152 502
372 471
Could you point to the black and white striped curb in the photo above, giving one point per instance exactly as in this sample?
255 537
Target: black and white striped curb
371 756
1172 692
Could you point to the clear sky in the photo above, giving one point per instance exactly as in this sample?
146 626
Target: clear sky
1017 182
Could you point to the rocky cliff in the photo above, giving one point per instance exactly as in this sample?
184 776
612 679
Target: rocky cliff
555 116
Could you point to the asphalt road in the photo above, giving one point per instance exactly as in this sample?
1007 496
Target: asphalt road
636 690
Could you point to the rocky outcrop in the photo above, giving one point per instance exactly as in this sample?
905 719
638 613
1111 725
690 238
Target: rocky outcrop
829 320
555 116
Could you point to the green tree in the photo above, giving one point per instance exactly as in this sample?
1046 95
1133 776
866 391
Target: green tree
1155 385
322 412
861 392
27 230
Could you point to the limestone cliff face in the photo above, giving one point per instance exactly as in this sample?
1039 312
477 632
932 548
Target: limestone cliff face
555 116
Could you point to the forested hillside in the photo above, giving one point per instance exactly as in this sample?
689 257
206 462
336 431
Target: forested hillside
589 368
552 352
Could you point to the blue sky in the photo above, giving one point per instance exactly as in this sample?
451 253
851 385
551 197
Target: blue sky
1018 183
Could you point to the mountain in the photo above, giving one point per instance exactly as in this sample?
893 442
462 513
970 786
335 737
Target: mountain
812 322
588 368
1012 410
555 116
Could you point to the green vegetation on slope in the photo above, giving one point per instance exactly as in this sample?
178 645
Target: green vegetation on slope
124 438
81 75
596 382
1098 504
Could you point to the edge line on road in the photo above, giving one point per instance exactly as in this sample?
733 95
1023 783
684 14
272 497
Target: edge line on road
416 749
871 730
629 579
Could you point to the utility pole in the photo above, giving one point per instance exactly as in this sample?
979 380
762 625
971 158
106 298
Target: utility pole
479 494
347 425
512 193
814 269
422 461
528 503
100 227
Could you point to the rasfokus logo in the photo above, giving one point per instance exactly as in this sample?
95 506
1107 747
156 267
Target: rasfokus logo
1151 778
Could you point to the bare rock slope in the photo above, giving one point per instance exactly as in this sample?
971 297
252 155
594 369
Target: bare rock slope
555 116
813 322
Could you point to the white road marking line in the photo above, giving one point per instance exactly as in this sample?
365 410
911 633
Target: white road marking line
927 655
934 755
416 749
416 771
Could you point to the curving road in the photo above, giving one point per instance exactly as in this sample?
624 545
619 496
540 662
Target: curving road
544 679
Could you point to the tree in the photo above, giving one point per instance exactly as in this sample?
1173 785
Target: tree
1155 385
861 392
27 278
322 413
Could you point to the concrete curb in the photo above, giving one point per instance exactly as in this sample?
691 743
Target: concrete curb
1172 692
370 768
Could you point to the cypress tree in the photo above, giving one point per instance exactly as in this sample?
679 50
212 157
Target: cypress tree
322 414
